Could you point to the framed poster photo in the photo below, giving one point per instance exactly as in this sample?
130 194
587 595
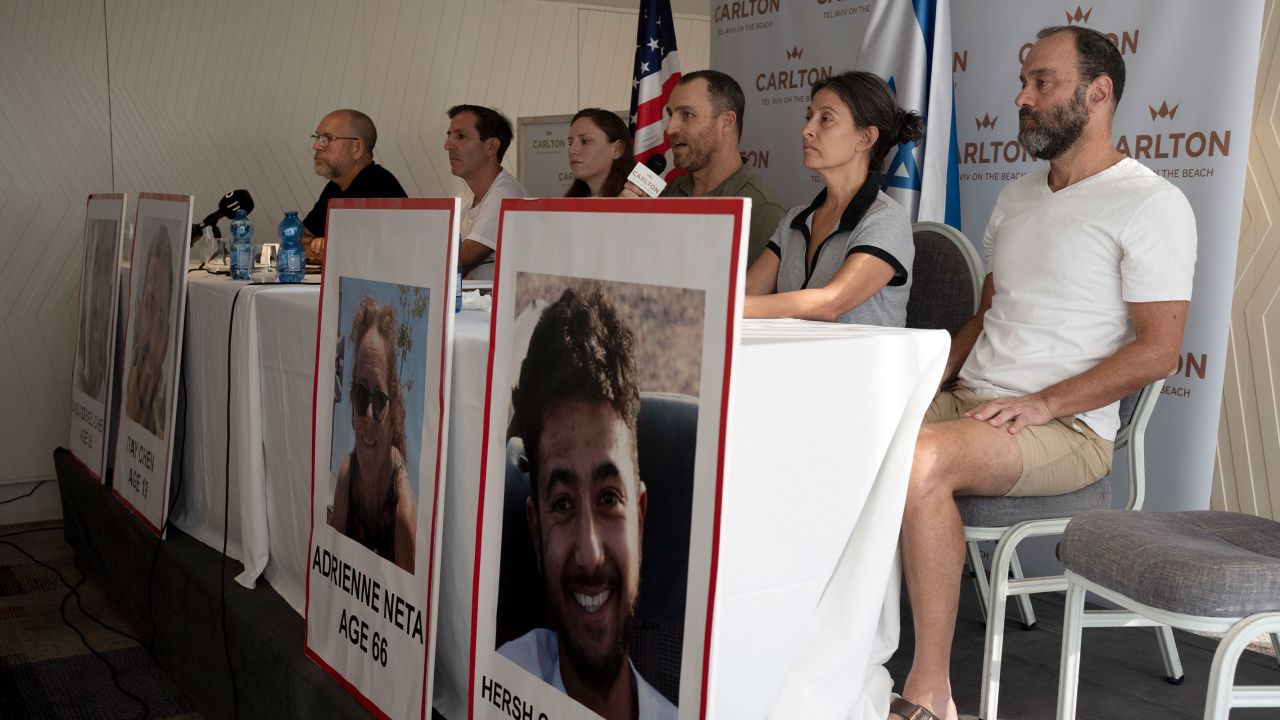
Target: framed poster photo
614 325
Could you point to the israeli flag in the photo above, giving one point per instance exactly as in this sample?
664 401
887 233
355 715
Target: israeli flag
908 43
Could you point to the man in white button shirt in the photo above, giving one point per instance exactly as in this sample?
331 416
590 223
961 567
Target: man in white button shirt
478 139
1091 262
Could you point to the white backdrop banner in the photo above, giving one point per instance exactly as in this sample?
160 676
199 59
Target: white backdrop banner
1185 113
777 49
384 353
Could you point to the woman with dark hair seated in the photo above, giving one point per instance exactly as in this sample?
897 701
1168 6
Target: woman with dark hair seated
600 156
847 256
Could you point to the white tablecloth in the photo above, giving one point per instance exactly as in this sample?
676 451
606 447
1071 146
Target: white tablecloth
823 420
208 369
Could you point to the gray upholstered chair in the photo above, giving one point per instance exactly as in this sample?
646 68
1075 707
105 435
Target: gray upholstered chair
1010 520
946 279
1203 571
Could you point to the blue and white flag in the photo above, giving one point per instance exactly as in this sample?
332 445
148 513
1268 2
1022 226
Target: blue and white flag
908 43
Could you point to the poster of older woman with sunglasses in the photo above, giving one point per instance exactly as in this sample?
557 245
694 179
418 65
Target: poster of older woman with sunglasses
379 447
376 497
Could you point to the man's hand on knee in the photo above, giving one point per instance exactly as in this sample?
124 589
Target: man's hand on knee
1018 412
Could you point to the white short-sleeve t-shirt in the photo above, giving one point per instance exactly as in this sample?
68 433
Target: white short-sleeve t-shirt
480 223
1064 265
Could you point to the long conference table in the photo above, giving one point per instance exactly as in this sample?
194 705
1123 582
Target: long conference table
823 420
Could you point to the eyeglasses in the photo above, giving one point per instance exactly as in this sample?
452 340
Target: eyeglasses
361 396
324 139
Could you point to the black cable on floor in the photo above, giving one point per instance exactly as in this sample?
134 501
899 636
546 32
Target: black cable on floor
32 530
226 516
30 492
73 590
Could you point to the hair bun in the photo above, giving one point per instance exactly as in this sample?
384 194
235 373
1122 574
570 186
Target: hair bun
910 126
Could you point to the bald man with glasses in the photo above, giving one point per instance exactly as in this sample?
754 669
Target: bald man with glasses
343 144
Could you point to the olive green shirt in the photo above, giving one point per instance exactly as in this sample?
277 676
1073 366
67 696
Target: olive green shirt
766 212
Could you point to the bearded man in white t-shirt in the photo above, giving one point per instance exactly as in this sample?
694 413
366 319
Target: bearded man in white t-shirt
1091 263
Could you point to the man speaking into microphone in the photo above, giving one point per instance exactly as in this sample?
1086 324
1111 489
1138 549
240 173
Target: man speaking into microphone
704 126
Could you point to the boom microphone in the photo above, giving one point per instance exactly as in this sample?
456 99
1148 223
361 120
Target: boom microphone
227 207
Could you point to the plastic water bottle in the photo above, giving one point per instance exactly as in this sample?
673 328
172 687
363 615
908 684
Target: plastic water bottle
289 261
457 295
241 246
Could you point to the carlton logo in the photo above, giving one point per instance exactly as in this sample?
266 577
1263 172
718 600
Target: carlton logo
792 79
1174 145
1126 40
986 122
1164 111
1079 16
755 158
744 9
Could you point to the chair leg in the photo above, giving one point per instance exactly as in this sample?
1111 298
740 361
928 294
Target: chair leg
1169 653
1222 672
1069 672
979 575
1024 601
993 653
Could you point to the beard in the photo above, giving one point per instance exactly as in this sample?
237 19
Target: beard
601 667
1048 133
697 151
324 169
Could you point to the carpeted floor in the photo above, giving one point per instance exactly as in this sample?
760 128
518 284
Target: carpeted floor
1121 673
46 671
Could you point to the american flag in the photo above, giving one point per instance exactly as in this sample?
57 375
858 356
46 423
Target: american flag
656 71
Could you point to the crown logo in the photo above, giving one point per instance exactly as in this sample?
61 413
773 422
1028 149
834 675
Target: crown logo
795 53
986 122
1164 111
1079 16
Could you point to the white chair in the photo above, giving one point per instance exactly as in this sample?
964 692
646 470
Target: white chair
1010 520
1202 571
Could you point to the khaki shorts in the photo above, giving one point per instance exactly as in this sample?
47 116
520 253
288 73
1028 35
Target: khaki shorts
1057 458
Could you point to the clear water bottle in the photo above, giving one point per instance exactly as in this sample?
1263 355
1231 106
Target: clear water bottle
289 261
241 246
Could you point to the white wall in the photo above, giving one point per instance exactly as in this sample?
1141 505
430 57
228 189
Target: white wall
200 97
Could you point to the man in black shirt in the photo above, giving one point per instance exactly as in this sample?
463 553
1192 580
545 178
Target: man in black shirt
343 144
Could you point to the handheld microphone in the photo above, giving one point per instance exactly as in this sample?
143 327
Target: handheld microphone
647 176
227 206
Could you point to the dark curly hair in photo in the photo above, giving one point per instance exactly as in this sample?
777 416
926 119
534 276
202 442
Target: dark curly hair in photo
579 350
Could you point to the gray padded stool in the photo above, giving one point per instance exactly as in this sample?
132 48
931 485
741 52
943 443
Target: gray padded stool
1203 571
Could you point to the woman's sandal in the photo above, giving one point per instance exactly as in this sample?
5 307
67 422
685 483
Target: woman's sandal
909 710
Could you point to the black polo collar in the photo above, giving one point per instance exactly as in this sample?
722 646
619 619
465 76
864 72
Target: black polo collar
852 214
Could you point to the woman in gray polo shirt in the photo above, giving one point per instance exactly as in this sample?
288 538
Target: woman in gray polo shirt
846 257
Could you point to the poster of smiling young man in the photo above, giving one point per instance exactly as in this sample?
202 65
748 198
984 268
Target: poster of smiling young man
152 355
383 361
92 370
609 362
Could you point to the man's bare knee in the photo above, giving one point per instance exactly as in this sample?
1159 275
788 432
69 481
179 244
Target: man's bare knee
928 467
